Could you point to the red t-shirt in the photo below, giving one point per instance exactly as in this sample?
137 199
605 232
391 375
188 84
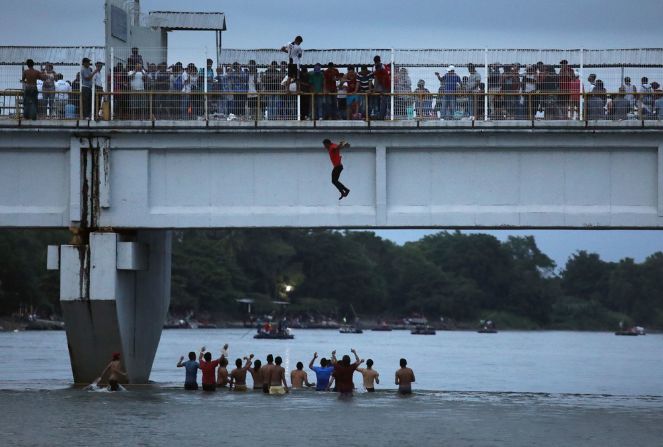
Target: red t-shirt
208 369
334 154
330 75
343 376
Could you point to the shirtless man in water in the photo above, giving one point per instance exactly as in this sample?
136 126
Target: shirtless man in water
266 372
277 383
371 376
115 373
298 377
404 378
238 375
256 374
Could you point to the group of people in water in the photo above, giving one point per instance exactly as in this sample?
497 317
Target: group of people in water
270 378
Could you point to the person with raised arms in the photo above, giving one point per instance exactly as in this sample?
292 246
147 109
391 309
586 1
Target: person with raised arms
335 157
343 372
322 372
238 375
256 374
191 367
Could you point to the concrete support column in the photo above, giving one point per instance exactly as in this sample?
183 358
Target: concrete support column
115 293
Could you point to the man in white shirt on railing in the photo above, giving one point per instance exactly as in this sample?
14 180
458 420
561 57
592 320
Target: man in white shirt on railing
295 54
62 89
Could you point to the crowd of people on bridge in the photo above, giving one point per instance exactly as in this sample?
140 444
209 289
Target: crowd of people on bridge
330 92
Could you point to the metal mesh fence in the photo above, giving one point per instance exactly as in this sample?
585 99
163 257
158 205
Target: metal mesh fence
360 84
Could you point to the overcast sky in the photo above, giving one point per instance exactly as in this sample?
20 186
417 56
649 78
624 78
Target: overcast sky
388 24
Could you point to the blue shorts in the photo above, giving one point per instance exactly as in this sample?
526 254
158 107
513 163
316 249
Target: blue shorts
351 99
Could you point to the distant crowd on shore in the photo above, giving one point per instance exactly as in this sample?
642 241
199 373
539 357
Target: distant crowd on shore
515 91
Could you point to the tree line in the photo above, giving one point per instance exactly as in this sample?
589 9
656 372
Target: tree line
452 275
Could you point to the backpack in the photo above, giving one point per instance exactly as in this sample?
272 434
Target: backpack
177 83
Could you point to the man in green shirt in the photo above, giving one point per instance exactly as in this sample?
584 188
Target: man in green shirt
316 79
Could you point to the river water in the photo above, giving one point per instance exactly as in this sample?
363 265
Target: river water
506 389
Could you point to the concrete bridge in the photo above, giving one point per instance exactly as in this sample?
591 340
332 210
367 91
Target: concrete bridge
122 185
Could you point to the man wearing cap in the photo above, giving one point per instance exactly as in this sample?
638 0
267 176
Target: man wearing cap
450 82
87 77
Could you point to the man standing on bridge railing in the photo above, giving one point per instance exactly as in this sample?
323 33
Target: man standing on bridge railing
335 156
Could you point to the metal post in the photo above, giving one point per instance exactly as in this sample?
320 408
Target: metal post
80 89
112 85
299 104
582 80
485 88
393 76
205 85
93 112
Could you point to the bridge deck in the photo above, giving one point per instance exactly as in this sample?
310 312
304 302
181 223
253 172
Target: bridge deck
553 174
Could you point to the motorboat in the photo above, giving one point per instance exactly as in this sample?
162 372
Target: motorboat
350 330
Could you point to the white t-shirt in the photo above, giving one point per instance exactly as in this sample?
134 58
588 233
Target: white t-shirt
62 88
295 53
186 82
252 86
137 81
98 80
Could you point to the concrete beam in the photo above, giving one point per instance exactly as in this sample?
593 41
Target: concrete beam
660 180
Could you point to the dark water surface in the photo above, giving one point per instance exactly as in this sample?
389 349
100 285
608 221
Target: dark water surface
507 389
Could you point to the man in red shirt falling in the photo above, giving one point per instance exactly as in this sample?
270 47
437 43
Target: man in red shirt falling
335 156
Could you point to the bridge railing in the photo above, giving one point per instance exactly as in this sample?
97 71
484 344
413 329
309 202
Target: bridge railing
422 84
155 105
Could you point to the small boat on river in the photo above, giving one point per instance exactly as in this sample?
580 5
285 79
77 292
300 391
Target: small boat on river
350 330
423 330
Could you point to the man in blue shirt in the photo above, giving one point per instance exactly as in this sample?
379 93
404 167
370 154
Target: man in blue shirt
322 372
191 366
450 82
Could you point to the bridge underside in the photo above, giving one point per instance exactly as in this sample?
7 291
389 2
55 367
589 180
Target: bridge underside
137 176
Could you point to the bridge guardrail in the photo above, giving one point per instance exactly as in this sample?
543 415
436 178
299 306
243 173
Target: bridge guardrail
155 105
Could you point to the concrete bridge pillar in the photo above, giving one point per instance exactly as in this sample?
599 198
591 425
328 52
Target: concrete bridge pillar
115 293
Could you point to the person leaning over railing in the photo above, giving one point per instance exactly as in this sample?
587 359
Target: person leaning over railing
161 85
511 86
